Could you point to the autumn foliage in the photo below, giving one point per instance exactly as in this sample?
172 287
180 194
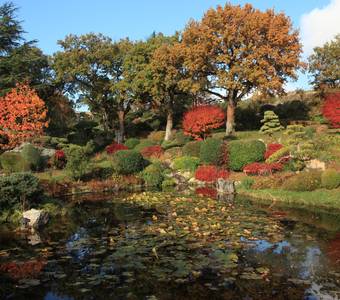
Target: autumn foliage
152 151
210 173
22 115
331 109
199 121
257 168
114 147
271 149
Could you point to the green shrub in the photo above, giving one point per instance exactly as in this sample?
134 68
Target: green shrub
12 162
153 175
284 151
186 163
18 188
173 152
127 162
211 151
144 143
170 144
32 156
168 184
181 138
192 148
77 161
90 147
156 136
247 182
242 153
219 135
330 179
294 165
131 143
271 123
304 181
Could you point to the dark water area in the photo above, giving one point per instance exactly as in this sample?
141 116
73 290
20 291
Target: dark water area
185 247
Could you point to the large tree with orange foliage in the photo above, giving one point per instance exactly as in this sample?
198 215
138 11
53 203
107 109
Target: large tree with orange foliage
236 50
22 115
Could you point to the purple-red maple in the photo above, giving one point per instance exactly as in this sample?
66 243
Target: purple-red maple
331 109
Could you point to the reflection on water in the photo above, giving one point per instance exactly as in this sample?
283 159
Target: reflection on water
115 250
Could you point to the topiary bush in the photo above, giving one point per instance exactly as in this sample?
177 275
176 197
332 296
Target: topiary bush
192 148
32 156
144 143
12 162
211 151
186 163
330 179
77 161
242 153
304 181
153 175
271 123
131 143
127 162
19 188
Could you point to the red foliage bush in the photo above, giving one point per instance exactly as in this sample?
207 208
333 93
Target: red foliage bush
59 159
262 168
271 149
28 269
210 173
152 151
114 147
200 120
331 109
206 191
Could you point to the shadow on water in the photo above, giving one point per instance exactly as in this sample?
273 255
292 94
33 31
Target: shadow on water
185 247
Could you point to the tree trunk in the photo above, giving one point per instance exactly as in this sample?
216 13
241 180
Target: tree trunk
121 131
230 124
169 125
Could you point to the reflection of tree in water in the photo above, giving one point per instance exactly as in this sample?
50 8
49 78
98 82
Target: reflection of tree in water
333 250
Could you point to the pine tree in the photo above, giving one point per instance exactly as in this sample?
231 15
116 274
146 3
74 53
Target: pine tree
271 123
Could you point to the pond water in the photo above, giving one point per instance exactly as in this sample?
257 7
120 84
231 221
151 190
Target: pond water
170 246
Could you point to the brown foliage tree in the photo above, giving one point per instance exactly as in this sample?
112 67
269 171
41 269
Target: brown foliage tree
236 50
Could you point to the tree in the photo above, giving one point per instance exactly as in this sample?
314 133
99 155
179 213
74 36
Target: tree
22 115
91 66
324 65
234 51
331 109
199 121
271 123
20 61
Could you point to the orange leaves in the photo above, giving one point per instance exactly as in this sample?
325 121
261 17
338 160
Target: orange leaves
199 121
22 115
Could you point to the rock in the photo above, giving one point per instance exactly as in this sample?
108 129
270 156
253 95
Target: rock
225 186
35 218
34 239
316 164
47 152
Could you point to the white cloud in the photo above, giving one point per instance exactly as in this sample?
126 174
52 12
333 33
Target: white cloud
320 26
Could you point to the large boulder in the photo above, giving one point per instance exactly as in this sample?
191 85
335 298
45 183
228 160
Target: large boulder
35 218
316 164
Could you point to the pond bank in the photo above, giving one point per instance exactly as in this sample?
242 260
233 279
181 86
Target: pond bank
324 199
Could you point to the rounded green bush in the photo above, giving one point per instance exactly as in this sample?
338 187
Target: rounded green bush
242 153
186 163
32 156
77 161
304 181
144 143
127 162
192 148
131 143
330 179
12 162
211 151
153 175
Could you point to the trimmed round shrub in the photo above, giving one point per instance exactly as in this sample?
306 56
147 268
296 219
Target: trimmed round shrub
152 151
114 147
242 153
32 156
131 143
186 163
210 173
304 181
192 148
127 162
12 162
156 136
144 143
77 161
153 175
211 151
330 179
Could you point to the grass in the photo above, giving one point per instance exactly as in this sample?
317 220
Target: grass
56 175
322 198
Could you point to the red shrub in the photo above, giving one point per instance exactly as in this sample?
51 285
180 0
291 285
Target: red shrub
271 149
152 151
58 161
206 191
210 173
199 121
114 147
262 168
331 109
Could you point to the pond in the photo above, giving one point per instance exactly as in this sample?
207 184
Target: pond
174 246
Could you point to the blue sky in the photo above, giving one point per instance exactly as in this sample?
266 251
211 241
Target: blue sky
51 20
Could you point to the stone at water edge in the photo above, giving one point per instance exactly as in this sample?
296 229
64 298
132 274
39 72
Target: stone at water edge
316 164
225 186
35 218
